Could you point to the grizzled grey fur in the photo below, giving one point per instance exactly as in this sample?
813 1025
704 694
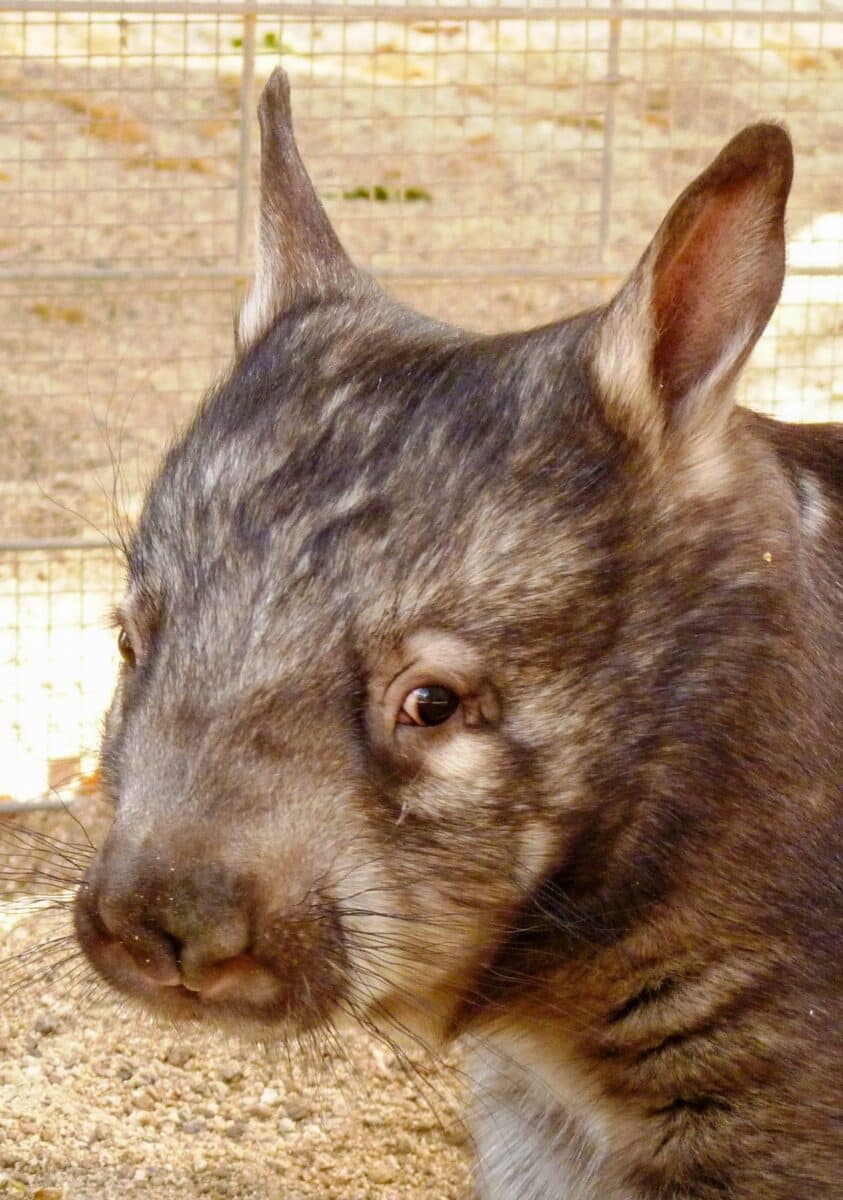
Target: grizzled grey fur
613 863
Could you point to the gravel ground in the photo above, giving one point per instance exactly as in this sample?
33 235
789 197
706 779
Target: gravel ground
94 1105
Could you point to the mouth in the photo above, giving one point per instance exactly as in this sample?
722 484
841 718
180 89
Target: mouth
250 993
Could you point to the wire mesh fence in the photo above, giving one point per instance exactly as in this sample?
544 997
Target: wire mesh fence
497 166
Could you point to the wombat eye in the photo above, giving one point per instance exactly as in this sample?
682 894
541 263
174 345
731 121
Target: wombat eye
432 704
124 645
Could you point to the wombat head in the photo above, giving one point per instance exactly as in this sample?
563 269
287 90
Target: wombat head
415 617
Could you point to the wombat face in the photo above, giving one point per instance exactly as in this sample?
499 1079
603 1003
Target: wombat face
396 608
336 742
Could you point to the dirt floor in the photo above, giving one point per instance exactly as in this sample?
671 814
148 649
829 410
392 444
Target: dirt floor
438 146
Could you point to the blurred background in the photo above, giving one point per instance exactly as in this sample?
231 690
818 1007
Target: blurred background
494 165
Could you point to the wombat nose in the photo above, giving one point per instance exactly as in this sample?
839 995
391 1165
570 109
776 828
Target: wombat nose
194 946
238 943
190 935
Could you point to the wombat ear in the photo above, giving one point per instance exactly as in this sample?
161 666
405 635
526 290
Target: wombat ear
299 256
671 344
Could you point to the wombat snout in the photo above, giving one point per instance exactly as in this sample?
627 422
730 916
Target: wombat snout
288 860
187 934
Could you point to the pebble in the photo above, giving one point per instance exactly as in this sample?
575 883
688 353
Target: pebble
262 1111
424 1122
384 1061
174 1121
385 1171
195 1125
297 1108
457 1134
45 1024
178 1055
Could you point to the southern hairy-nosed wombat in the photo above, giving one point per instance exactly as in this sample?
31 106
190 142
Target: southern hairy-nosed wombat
492 686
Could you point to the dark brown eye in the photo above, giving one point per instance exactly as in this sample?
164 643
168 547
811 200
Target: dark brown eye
124 645
431 704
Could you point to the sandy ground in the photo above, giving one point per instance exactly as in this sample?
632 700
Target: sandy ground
96 1107
436 145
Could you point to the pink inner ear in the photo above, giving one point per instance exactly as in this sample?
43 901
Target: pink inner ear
716 277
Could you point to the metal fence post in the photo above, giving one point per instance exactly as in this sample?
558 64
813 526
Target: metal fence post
247 83
612 81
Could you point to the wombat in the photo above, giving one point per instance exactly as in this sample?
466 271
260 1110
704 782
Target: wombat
491 688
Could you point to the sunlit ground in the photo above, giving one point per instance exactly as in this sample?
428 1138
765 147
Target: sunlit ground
57 670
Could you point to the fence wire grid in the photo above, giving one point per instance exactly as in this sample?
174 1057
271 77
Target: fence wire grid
498 166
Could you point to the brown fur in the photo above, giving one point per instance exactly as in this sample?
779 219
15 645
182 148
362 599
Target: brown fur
616 869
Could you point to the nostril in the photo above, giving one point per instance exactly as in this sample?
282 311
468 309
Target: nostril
115 938
209 979
165 966
152 951
173 946
213 947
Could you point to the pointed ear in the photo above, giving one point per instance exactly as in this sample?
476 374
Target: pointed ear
299 256
670 346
